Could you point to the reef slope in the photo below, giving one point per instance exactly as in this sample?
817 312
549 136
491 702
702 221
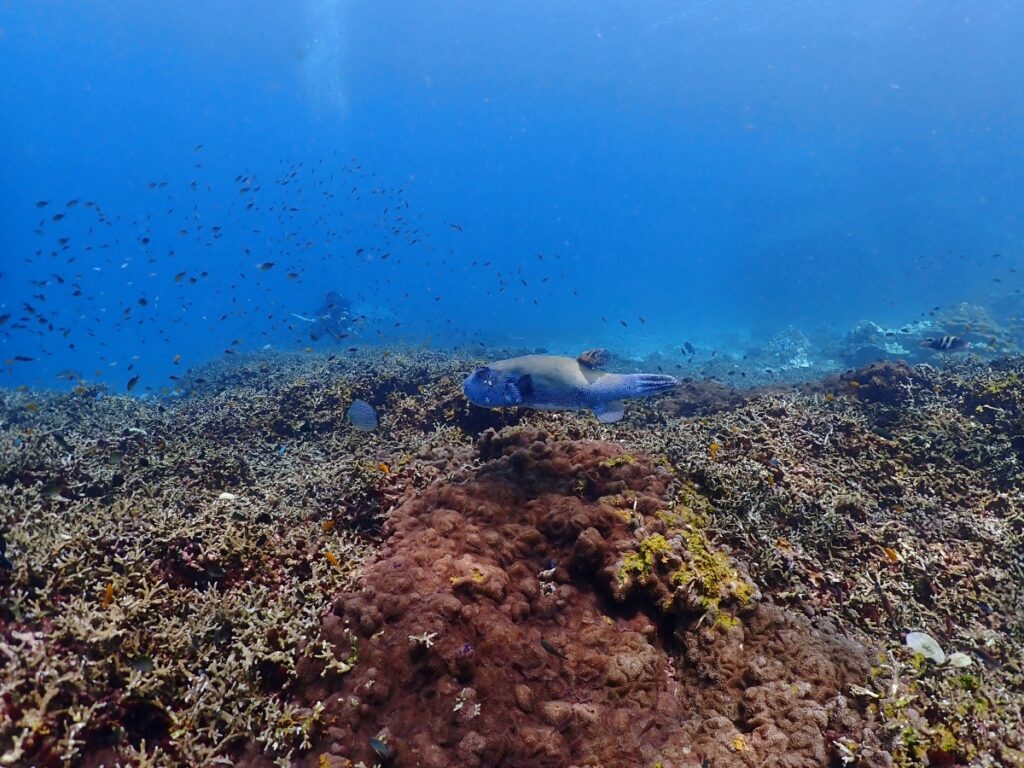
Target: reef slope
235 575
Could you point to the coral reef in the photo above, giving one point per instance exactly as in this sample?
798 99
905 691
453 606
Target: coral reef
701 398
789 348
888 499
975 324
566 607
152 614
869 342
232 574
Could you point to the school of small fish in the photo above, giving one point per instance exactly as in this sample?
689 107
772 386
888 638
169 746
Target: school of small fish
291 225
302 221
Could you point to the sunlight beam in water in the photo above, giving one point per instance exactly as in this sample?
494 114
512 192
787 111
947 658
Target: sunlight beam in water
323 56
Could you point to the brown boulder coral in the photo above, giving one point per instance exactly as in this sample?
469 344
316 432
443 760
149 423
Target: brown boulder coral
559 609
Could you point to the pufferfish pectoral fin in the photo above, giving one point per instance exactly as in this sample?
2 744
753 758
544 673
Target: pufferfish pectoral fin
525 386
610 412
519 391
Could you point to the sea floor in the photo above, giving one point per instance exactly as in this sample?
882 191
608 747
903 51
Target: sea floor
725 578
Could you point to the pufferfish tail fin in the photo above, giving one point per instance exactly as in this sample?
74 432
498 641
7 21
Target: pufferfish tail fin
610 412
647 384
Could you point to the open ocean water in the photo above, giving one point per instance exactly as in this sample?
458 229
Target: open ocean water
548 175
307 310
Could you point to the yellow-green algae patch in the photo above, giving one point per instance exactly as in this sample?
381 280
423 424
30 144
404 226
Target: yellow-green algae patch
640 565
681 566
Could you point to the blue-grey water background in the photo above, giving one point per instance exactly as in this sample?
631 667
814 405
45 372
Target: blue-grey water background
544 174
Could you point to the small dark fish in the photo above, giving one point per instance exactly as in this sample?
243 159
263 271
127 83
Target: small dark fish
57 216
266 266
42 203
5 564
551 649
384 751
945 343
133 381
179 277
688 348
24 359
50 489
987 657
215 571
4 318
141 664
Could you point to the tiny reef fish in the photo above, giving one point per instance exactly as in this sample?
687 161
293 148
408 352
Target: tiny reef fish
550 382
945 343
550 648
5 564
384 751
331 558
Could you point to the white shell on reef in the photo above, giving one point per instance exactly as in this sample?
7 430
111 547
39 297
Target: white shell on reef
927 646
959 659
227 496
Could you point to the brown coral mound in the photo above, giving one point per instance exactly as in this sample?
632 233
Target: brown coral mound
559 609
701 398
888 382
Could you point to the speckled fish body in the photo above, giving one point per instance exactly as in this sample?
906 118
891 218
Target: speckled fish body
362 416
550 382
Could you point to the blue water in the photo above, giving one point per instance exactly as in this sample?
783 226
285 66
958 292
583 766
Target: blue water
558 174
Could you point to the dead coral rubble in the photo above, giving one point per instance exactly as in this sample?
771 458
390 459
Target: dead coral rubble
565 607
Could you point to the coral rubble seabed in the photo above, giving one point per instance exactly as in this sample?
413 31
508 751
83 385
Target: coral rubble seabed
725 578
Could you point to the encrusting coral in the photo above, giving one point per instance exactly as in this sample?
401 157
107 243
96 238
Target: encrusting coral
559 609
